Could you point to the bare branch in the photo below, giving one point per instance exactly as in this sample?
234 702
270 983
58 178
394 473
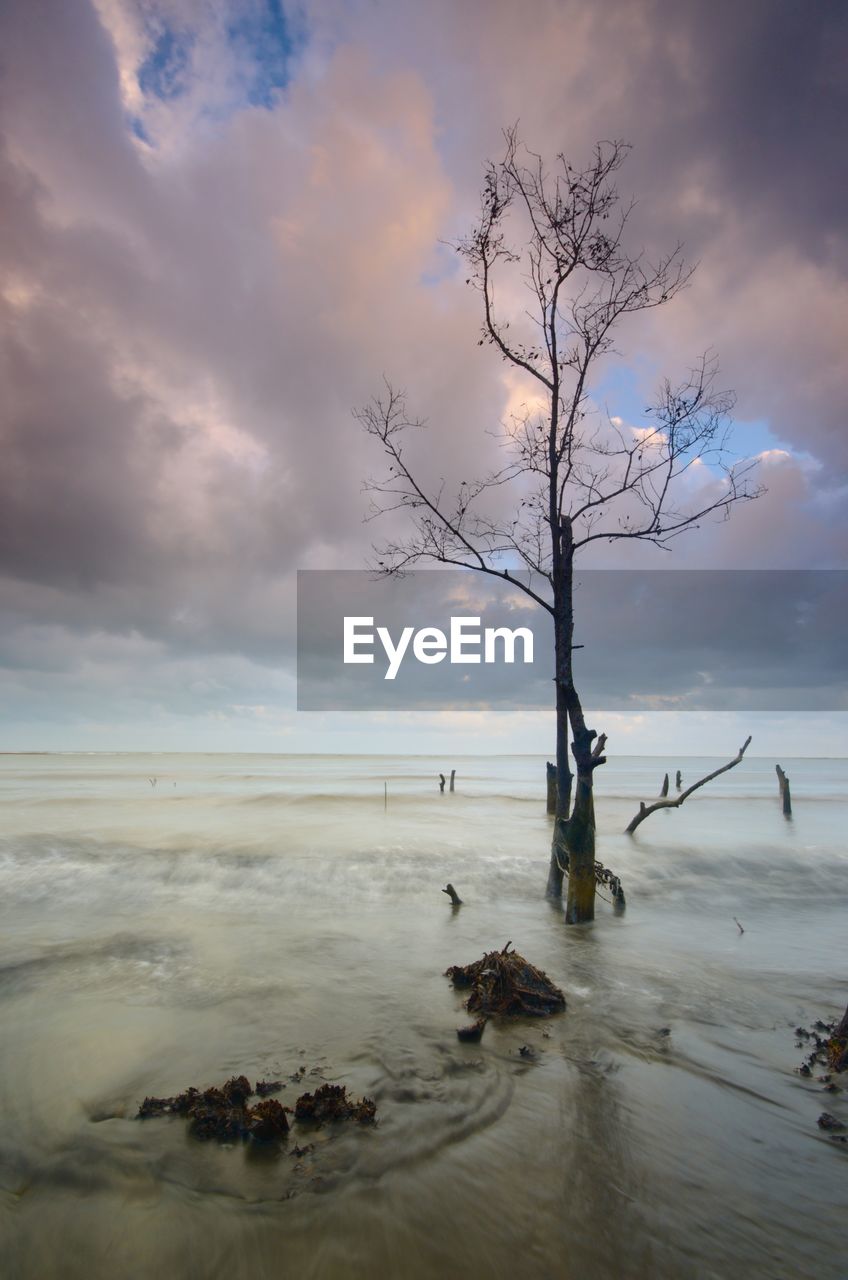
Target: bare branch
645 811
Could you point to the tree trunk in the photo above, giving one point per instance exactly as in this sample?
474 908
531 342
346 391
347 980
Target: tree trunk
580 904
580 833
573 847
559 844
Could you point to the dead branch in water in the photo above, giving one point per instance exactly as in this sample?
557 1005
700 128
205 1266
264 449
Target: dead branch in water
645 810
785 794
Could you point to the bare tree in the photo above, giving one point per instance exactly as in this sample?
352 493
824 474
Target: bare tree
573 476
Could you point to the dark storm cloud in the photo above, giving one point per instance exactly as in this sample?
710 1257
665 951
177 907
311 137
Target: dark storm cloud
771 105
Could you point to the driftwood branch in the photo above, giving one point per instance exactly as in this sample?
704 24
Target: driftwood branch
645 810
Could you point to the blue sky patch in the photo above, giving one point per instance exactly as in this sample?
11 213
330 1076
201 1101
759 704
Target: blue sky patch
137 127
266 42
163 72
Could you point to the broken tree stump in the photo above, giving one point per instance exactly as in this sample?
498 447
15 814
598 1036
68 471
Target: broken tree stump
678 779
456 901
552 787
664 787
453 775
785 794
442 781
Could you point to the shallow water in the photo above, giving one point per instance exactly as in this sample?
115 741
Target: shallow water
255 913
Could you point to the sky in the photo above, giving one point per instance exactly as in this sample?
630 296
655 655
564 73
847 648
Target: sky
225 221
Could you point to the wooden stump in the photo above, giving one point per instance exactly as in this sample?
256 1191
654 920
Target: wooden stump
552 787
785 794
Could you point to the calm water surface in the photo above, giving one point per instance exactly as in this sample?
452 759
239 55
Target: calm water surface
255 913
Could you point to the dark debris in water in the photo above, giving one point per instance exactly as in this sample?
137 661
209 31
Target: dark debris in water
264 1087
829 1041
503 982
225 1115
474 1033
828 1051
331 1102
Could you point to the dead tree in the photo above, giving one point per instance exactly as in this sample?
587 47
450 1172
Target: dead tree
678 779
785 794
453 777
664 787
550 770
456 901
442 783
573 476
645 810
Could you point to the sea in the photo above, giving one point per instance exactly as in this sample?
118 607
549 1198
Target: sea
172 920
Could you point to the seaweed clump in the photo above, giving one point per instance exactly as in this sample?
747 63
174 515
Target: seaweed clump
331 1102
829 1045
829 1050
223 1114
503 982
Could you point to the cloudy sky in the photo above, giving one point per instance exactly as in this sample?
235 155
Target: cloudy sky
225 220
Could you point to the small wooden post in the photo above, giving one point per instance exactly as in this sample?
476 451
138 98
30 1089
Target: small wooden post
785 794
551 775
453 775
664 788
442 781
